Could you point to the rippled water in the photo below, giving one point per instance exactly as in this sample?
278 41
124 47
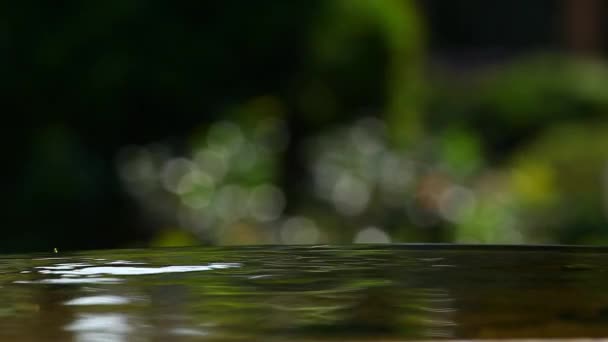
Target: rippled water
388 293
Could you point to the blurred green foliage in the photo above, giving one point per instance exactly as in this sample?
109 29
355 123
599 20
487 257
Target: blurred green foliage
542 123
304 122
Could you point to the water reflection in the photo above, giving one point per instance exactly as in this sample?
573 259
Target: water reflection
113 270
63 281
103 327
99 300
304 293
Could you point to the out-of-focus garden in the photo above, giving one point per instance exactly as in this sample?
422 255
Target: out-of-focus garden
133 123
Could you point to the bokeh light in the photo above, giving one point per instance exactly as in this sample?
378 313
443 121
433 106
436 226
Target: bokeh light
393 120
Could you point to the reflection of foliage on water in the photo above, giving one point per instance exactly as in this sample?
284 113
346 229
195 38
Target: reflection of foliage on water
299 292
321 293
306 292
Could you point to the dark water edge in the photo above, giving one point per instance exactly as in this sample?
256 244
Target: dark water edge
307 293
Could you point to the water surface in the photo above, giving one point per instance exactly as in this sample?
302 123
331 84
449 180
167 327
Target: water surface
358 293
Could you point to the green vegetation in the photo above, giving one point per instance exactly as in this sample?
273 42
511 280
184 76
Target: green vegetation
309 122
